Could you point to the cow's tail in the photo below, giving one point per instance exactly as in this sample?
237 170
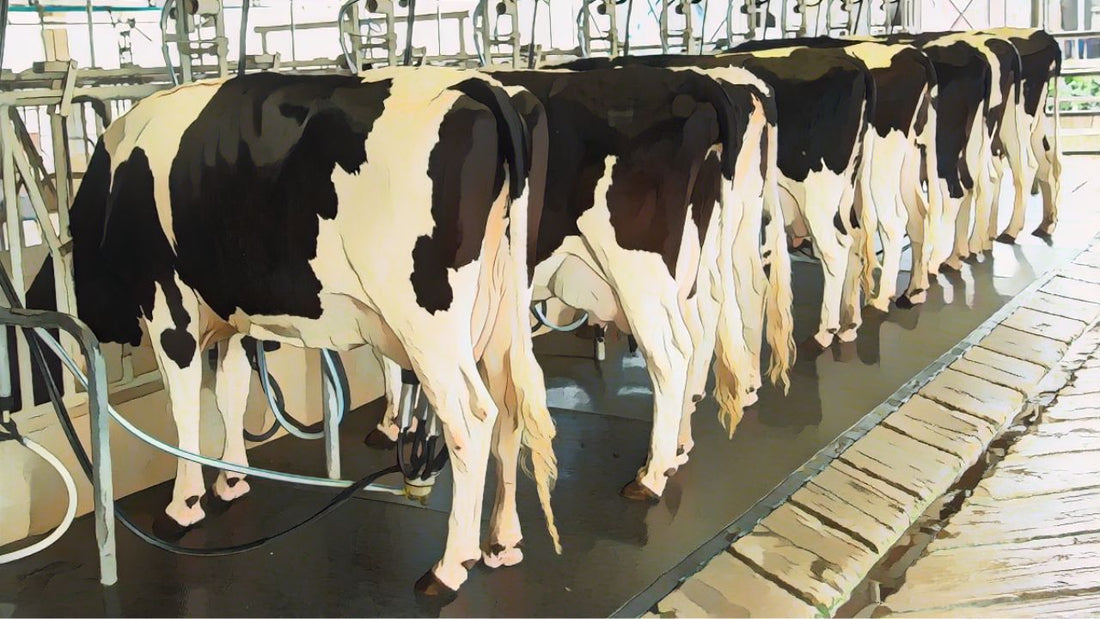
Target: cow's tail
525 147
1056 156
868 216
1017 72
780 298
512 139
926 142
729 379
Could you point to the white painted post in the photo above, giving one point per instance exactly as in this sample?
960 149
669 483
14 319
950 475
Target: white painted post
331 419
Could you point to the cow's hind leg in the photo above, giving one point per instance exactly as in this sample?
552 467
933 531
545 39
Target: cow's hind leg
1049 175
653 313
384 435
453 386
920 226
174 333
1023 175
832 243
233 379
891 223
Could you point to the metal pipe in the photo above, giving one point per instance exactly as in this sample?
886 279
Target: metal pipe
164 43
353 64
246 4
293 42
410 19
332 408
91 33
3 30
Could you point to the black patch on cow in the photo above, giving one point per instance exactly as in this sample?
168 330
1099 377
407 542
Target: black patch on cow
921 119
964 81
820 95
900 90
838 223
117 262
705 194
1007 82
853 218
1039 52
251 178
627 114
466 177
538 143
1046 144
177 343
898 87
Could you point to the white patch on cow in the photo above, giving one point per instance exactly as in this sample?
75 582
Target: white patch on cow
875 55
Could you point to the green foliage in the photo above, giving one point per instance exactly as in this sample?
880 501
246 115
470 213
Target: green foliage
1076 87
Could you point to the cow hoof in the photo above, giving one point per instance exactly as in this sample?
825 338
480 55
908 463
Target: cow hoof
954 264
682 452
185 513
913 299
1006 238
230 488
848 335
879 306
823 340
749 399
502 556
377 439
811 347
636 491
1043 234
431 586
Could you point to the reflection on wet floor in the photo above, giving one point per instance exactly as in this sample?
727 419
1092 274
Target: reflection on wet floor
363 559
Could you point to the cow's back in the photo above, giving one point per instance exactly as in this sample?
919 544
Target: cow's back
656 124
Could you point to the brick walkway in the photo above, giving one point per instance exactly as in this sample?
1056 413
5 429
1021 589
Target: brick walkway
807 556
1027 542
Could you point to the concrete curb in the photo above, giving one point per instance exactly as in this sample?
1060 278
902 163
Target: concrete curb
806 556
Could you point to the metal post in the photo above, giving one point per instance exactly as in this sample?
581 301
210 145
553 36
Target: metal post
102 484
750 11
664 26
91 33
183 40
221 44
293 44
331 419
689 32
613 29
486 33
391 31
15 243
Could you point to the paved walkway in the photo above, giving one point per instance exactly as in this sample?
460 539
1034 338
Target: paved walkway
1040 513
1027 542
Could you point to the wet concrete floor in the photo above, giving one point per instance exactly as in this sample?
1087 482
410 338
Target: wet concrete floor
619 557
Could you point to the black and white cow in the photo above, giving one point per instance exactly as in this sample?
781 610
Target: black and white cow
978 77
656 179
1041 62
900 149
327 211
824 102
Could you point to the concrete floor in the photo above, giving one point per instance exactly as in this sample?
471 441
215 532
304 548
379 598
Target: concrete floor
620 557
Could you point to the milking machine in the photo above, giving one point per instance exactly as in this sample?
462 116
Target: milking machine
421 435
